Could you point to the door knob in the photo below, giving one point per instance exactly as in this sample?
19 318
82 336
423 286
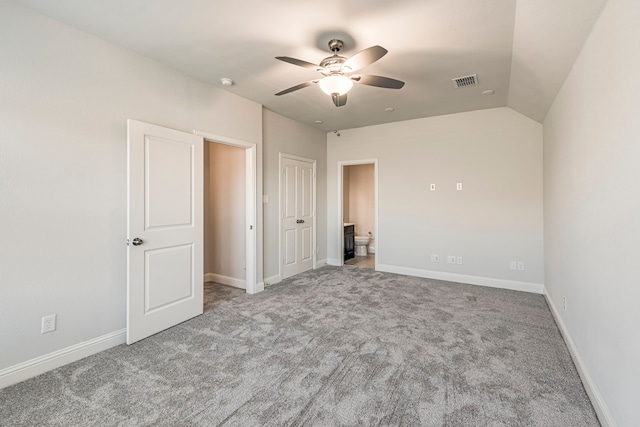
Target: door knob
137 241
300 221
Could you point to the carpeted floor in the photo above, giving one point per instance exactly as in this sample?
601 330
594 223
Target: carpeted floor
334 346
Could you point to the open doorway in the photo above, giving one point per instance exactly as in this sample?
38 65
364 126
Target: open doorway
229 218
359 212
224 222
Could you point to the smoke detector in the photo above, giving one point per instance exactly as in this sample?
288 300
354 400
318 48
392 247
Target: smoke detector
226 81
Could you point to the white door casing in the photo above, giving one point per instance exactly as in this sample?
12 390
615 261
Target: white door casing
165 211
297 195
251 281
340 192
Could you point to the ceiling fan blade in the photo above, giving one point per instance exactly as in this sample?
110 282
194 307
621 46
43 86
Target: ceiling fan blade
339 100
296 87
378 81
363 58
300 63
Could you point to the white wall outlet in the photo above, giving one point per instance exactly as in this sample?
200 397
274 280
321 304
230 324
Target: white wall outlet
451 259
520 265
48 323
435 258
459 186
513 265
564 303
432 187
459 260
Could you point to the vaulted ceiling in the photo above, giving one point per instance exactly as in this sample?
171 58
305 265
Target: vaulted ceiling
522 50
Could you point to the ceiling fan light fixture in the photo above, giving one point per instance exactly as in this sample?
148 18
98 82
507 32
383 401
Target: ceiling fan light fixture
335 84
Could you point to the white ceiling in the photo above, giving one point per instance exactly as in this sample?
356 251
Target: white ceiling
521 49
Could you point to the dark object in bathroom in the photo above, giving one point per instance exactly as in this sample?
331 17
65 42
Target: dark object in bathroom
349 241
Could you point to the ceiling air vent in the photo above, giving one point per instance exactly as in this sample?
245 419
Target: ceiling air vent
465 81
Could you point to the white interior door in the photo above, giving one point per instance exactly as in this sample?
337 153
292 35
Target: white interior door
164 228
297 216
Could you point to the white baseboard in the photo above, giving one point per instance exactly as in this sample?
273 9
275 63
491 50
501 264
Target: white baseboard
604 416
225 280
31 368
334 261
536 288
320 263
273 280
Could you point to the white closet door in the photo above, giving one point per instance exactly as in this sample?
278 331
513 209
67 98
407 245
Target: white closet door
297 216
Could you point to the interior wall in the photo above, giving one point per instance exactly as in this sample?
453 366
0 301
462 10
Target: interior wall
283 135
497 218
345 194
66 97
225 216
592 210
361 199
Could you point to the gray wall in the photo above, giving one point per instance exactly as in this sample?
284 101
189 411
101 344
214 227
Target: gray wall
66 98
497 218
283 135
592 211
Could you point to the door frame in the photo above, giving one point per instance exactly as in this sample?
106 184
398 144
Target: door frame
340 224
314 162
251 206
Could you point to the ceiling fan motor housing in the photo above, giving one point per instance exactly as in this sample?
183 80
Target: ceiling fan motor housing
335 45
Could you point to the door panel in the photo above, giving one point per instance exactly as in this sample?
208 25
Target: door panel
168 276
165 211
168 195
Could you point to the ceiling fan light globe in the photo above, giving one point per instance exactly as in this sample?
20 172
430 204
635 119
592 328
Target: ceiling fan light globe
335 84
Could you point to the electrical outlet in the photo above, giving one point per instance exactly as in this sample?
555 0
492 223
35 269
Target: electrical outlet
513 265
520 265
435 258
459 260
432 187
564 303
48 323
459 186
451 259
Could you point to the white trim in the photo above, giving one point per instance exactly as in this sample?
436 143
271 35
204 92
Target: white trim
341 165
25 370
251 282
259 288
320 263
335 262
314 162
536 288
273 280
604 415
225 280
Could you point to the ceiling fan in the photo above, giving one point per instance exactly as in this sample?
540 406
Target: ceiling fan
338 72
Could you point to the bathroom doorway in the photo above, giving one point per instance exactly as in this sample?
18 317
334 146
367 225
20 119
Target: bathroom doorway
359 212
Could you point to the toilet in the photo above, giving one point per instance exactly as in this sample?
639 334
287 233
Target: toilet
361 243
